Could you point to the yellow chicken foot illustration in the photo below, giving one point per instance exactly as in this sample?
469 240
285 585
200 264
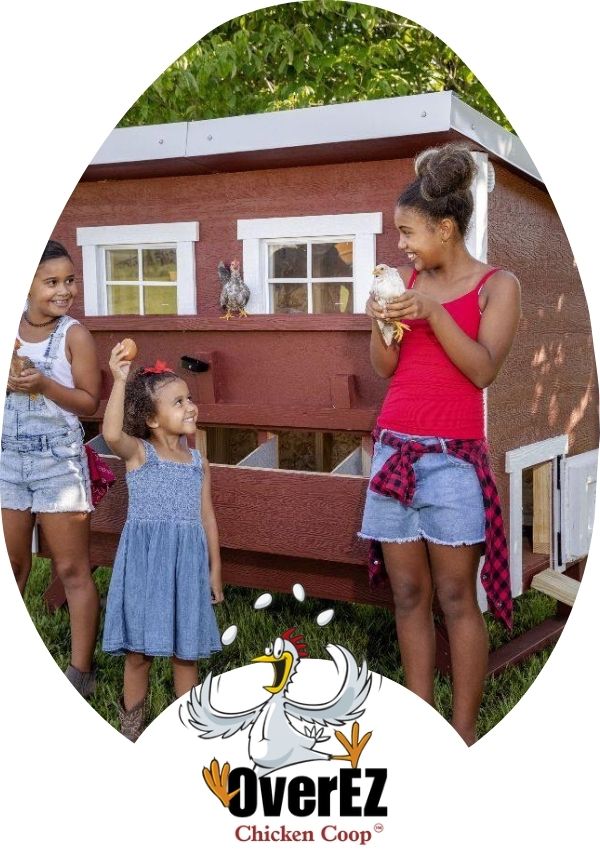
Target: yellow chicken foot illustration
354 747
216 779
399 328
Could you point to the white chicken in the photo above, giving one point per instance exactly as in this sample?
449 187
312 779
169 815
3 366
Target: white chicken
273 740
388 284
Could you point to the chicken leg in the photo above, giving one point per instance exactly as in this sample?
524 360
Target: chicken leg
354 747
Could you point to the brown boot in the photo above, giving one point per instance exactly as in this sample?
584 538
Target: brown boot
84 683
132 722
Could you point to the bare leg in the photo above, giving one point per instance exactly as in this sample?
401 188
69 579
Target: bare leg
455 575
408 569
67 535
135 683
185 675
18 530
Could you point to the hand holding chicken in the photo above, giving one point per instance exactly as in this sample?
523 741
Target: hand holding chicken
387 286
20 367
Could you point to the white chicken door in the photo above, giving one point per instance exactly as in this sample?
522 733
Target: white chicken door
576 483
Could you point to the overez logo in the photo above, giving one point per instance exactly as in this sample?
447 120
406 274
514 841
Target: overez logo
284 730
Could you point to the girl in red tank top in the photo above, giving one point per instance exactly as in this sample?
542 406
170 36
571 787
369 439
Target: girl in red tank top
432 500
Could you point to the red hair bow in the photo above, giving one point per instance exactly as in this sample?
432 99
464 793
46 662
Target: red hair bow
159 367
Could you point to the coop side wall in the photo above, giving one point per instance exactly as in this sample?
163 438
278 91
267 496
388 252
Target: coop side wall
548 385
217 201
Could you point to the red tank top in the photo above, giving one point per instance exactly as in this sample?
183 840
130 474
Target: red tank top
428 395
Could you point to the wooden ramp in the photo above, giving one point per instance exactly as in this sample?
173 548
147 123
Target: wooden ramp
557 585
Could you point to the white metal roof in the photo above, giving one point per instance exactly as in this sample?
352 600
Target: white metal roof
419 114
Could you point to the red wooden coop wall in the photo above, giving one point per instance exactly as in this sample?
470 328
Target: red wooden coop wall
281 371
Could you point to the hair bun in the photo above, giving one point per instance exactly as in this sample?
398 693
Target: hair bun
445 170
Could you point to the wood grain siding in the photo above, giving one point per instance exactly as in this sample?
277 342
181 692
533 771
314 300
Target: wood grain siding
217 201
287 373
548 386
314 373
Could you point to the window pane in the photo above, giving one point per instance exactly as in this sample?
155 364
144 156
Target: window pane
287 260
159 264
160 299
123 300
289 297
122 264
332 298
332 259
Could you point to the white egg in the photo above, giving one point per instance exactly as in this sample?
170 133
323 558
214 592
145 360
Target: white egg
299 592
325 617
229 635
263 601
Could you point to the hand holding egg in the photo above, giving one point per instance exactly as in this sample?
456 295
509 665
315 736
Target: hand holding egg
121 357
129 349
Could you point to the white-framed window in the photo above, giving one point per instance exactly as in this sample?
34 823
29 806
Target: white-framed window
309 264
139 269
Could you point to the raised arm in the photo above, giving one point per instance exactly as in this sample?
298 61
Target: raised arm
125 446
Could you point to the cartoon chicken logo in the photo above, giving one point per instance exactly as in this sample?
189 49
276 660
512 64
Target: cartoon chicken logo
283 731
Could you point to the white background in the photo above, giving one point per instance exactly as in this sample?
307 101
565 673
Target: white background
70 70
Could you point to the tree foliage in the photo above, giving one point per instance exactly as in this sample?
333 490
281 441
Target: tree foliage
306 54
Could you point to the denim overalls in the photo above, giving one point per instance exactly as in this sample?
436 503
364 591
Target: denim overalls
43 466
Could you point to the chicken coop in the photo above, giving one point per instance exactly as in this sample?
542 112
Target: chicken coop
304 201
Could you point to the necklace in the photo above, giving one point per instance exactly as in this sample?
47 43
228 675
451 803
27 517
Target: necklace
39 324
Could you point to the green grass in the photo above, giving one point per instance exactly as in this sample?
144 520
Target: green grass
368 632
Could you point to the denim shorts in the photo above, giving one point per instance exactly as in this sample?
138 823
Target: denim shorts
45 474
447 505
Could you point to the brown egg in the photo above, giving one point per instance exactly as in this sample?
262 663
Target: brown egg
129 349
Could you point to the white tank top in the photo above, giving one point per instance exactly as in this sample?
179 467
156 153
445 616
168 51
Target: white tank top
60 369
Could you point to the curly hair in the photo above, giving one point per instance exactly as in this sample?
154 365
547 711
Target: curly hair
140 400
442 188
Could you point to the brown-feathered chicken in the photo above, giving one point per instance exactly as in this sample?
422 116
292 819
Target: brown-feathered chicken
234 292
388 284
18 364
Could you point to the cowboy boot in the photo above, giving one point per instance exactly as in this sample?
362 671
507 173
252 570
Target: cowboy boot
132 722
84 683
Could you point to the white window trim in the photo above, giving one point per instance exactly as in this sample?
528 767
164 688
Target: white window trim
93 240
358 228
516 461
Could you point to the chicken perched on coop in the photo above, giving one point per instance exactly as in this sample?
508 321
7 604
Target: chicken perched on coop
388 284
19 363
234 292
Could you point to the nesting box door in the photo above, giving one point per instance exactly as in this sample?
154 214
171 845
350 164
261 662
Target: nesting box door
577 486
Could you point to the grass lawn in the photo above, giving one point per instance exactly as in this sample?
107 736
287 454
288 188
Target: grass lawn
367 631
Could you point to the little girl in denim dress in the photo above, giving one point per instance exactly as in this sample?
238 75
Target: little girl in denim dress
167 571
432 504
54 378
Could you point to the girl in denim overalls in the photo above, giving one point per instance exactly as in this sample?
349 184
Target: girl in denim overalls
43 467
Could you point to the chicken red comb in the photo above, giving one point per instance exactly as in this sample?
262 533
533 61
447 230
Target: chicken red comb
297 640
159 367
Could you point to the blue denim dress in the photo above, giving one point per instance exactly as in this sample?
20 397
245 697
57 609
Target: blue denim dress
159 599
43 467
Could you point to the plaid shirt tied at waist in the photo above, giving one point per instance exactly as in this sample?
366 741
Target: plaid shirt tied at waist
396 478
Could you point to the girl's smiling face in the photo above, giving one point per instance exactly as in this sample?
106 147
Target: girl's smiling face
419 238
176 413
52 290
